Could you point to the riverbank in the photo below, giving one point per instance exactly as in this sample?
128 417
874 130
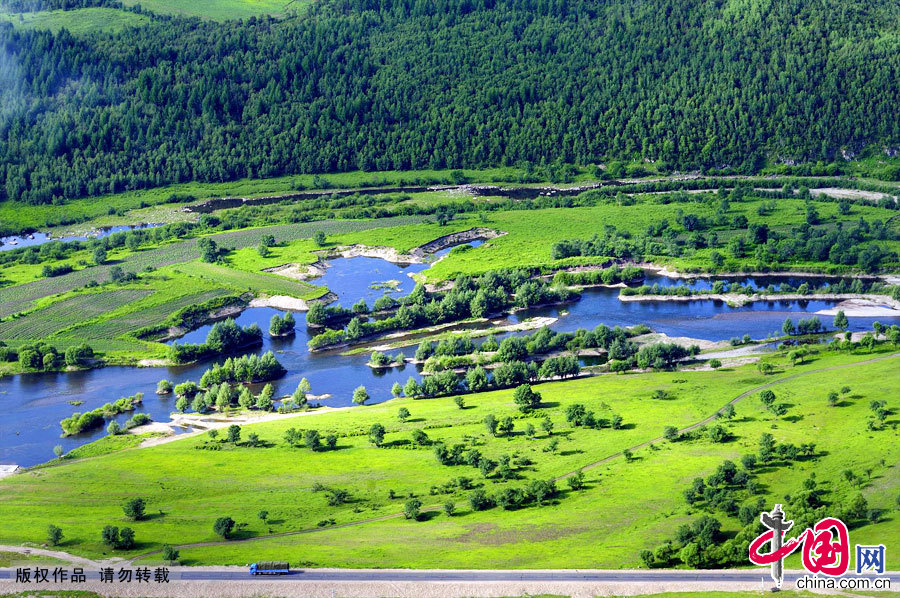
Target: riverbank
202 423
664 270
286 303
854 305
497 328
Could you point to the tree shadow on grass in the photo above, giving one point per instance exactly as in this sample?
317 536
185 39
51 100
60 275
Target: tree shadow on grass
263 444
152 516
396 443
428 515
242 534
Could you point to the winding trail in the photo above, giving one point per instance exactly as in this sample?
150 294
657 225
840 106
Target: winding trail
56 554
592 465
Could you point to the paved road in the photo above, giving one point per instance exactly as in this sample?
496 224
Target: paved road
564 575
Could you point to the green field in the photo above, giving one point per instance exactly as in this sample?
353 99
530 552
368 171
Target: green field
17 298
57 316
187 488
531 234
81 21
150 205
221 10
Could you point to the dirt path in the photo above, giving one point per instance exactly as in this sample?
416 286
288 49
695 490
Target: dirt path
56 554
592 465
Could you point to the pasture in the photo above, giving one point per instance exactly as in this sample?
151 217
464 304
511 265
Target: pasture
222 10
188 486
18 298
531 234
80 21
153 205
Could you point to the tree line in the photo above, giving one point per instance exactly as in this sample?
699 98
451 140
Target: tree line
412 84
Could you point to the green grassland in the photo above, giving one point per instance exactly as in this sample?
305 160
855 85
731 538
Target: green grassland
10 559
107 317
221 10
81 21
531 234
257 283
134 206
641 501
21 297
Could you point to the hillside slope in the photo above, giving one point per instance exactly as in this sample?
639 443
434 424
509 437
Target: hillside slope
400 84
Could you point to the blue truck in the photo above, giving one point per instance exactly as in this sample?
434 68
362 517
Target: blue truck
269 568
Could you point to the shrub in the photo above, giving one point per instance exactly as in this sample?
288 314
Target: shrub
223 526
412 509
480 501
526 398
134 509
54 535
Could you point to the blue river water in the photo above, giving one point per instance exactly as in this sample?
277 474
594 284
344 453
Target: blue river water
33 404
35 239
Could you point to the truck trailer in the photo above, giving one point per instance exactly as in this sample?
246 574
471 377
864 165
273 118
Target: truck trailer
270 568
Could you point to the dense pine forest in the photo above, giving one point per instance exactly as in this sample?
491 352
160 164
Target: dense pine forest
725 85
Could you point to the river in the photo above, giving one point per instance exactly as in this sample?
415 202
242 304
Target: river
37 239
33 404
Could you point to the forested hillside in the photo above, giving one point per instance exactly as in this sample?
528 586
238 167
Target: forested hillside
400 84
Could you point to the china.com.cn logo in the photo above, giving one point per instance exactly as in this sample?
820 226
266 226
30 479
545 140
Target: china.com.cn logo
825 548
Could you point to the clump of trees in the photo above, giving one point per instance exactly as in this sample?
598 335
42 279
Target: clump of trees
223 337
282 326
663 356
536 492
804 326
81 422
135 508
247 368
312 439
42 356
578 415
526 398
607 276
54 535
118 539
489 293
223 526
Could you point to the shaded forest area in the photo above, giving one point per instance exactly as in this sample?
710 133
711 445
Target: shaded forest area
724 85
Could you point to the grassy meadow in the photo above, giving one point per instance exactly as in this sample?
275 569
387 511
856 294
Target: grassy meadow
530 235
81 21
188 485
151 205
222 10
